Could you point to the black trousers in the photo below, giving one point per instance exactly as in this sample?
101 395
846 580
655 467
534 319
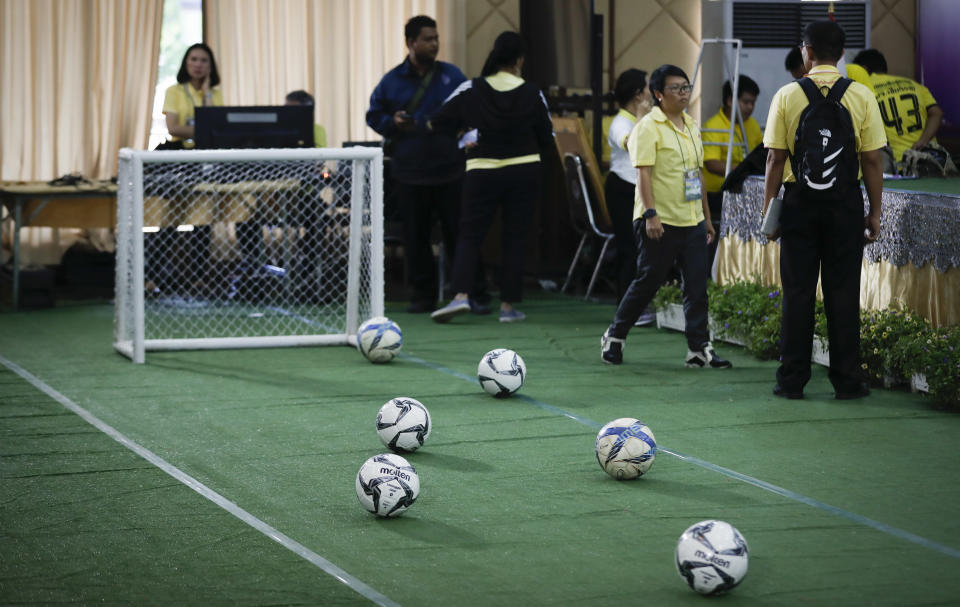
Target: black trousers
821 239
686 246
423 206
514 189
620 202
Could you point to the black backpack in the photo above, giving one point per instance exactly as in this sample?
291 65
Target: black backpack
824 159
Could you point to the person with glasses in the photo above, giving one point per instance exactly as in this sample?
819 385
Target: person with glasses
822 231
671 219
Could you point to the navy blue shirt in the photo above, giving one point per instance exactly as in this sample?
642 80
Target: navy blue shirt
419 156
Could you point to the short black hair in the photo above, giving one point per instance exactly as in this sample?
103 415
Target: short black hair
411 31
629 83
184 76
745 84
794 59
301 97
658 79
826 38
871 60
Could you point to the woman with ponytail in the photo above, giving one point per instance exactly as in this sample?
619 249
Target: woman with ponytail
509 121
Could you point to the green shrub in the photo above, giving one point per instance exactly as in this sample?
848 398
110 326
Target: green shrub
881 354
935 353
669 293
894 344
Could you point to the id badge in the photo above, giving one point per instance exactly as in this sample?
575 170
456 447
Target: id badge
691 185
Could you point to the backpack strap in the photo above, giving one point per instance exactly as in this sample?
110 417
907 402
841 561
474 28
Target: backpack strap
811 90
838 89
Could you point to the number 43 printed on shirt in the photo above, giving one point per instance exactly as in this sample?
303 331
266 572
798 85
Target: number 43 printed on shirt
893 119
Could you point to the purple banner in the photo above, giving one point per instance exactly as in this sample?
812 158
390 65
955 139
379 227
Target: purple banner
938 49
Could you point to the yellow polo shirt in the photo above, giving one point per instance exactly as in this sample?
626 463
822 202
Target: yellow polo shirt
177 101
903 107
656 142
790 101
718 152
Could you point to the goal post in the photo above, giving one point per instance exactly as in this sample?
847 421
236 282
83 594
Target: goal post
247 248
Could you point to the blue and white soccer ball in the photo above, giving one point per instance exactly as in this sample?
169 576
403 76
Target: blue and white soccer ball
379 339
403 424
626 448
501 372
387 485
712 557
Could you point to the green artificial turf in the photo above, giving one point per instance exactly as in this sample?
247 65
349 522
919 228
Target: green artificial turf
513 508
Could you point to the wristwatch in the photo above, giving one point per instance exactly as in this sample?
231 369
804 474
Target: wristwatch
649 213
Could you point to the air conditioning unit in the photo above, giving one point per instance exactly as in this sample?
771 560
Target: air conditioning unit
770 28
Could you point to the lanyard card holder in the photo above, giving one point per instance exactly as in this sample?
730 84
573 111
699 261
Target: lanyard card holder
691 185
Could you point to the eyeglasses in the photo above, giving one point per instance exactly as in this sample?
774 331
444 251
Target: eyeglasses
803 44
679 88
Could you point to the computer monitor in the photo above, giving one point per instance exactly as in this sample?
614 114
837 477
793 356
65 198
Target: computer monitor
279 126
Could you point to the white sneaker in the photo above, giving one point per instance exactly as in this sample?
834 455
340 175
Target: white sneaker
706 358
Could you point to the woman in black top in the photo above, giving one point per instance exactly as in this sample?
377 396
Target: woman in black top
511 125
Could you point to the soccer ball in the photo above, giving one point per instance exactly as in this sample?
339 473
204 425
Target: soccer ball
379 339
712 557
387 485
625 448
501 372
403 423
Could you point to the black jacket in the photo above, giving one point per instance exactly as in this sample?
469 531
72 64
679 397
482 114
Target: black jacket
509 123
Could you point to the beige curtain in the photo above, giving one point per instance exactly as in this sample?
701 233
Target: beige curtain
77 80
337 50
76 85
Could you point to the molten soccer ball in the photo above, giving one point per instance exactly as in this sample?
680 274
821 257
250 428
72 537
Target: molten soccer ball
379 339
625 448
501 372
403 424
712 557
387 485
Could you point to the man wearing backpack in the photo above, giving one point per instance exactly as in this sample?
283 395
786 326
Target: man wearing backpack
830 129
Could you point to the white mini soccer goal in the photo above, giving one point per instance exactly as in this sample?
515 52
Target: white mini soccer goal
247 248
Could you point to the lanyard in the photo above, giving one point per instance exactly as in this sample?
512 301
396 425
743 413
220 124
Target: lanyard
680 145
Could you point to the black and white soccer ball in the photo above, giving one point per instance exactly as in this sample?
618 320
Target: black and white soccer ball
712 557
625 448
501 372
403 424
379 339
387 485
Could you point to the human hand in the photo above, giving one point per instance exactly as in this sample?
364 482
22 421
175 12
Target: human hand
711 233
403 120
871 224
654 228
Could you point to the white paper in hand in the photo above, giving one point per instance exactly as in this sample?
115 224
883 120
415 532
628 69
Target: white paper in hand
771 221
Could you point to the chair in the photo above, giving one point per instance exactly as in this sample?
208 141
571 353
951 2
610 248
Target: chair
584 204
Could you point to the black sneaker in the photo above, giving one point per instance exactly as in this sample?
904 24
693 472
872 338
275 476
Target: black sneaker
706 358
611 349
782 392
479 308
861 391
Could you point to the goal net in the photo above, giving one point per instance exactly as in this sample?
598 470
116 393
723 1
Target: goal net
247 248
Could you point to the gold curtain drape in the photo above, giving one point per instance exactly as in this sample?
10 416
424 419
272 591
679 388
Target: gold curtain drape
335 50
932 294
77 78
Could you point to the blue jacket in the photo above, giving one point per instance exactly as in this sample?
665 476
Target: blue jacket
419 156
